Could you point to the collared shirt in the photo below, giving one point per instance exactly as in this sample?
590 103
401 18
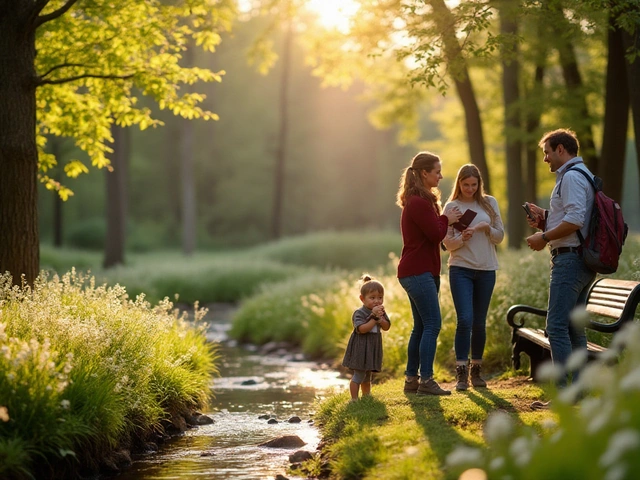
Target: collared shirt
571 202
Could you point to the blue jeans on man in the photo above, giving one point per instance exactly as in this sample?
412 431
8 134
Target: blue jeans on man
471 291
568 284
422 291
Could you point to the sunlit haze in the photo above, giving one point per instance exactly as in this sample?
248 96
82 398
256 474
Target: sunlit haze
334 13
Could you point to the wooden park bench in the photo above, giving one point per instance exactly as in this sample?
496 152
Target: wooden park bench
608 298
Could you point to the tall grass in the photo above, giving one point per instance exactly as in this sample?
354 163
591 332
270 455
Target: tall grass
84 370
523 278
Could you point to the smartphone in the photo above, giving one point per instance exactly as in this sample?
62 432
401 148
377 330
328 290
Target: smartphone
528 210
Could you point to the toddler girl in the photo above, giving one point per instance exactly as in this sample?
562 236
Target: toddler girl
364 350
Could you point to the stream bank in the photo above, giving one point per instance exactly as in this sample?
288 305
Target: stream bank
268 382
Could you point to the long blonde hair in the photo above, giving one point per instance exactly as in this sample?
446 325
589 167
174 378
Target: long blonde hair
411 181
465 172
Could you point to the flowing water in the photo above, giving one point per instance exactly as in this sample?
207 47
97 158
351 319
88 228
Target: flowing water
250 384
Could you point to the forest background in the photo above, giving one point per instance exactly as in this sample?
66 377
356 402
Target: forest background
314 135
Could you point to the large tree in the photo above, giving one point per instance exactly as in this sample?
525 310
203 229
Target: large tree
74 67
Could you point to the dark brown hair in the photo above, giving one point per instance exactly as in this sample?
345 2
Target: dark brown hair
411 181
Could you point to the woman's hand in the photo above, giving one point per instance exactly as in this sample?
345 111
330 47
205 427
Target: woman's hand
453 215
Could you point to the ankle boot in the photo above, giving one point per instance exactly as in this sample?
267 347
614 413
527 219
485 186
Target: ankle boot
411 384
462 377
476 379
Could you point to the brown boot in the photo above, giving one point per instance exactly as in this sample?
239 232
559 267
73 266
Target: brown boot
462 377
411 384
431 387
476 379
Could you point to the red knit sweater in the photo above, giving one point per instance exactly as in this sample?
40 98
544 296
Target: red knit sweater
422 231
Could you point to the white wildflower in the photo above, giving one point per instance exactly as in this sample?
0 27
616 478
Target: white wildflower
4 414
600 419
570 394
619 444
549 424
577 359
499 426
595 377
521 451
579 317
617 472
550 372
556 437
464 455
631 381
65 404
590 406
497 463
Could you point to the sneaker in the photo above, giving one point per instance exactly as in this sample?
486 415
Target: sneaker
411 384
476 379
430 387
462 377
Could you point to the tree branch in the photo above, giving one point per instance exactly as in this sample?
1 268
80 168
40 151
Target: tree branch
58 67
42 81
53 15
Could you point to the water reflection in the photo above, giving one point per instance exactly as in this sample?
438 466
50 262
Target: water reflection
250 385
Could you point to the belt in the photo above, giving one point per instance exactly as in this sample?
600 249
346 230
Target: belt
560 250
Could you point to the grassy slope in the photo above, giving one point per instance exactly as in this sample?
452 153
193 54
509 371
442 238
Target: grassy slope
393 435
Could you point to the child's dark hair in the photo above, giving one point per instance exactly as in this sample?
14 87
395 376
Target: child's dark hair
370 285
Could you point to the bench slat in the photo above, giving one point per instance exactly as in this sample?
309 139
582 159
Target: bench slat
604 310
537 335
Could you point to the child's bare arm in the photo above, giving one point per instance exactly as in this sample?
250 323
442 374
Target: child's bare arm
384 322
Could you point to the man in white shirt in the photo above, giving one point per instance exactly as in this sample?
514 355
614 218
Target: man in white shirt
570 210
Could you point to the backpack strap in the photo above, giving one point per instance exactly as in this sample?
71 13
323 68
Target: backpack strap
592 181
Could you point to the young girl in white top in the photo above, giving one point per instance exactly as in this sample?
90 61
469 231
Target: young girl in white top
472 270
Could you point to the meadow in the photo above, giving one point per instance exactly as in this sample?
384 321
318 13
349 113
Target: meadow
73 346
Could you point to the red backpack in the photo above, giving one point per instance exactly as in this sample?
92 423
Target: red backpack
607 231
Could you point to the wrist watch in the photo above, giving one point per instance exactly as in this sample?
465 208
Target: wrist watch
544 237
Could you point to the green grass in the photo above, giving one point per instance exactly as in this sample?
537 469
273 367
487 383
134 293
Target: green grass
85 371
393 435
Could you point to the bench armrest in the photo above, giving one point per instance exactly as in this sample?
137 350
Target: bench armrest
515 309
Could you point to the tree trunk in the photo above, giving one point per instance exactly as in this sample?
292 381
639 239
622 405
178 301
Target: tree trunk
281 150
117 199
19 242
473 122
512 127
533 123
576 97
633 74
616 116
56 151
188 194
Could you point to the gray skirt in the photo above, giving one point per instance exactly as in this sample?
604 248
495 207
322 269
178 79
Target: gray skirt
364 352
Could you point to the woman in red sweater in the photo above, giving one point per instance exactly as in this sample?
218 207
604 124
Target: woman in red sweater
423 228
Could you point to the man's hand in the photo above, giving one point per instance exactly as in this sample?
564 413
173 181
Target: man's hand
536 242
538 214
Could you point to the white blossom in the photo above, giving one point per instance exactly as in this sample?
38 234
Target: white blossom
499 425
550 372
619 444
464 455
579 317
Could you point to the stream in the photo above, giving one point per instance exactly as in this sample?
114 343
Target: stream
250 384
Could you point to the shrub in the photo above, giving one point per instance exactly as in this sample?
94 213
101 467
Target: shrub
85 370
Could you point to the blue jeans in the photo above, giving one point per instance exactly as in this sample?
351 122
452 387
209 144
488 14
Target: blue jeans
570 278
471 291
423 294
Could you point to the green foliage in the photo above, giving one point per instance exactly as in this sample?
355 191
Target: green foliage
85 371
314 311
597 423
351 250
98 59
88 235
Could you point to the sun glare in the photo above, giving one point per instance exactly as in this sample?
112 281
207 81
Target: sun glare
334 13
